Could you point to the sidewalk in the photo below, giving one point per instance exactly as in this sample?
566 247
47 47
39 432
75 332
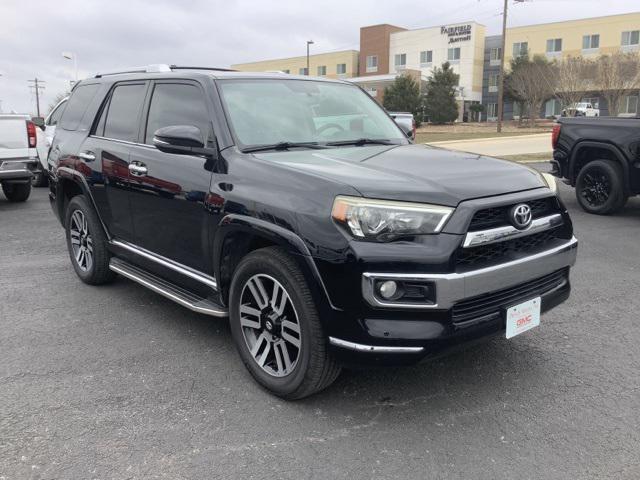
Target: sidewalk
498 147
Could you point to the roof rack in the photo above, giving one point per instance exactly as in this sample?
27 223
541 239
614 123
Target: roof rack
215 69
158 68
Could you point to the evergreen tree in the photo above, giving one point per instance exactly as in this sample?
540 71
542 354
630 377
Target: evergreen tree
403 95
440 102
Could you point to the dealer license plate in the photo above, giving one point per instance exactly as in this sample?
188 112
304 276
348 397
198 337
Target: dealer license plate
523 317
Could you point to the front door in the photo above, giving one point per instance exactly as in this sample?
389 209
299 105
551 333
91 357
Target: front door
168 191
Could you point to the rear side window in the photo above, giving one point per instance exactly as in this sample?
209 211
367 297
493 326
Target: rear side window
56 114
177 104
77 105
123 113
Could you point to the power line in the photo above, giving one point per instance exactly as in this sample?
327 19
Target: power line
37 86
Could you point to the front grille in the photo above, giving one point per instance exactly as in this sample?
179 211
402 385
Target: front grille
498 251
491 305
498 216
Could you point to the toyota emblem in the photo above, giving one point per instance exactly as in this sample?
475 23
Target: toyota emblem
520 216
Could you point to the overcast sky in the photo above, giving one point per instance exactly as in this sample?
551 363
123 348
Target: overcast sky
109 34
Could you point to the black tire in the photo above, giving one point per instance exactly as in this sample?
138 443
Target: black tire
600 188
95 272
314 368
40 179
17 192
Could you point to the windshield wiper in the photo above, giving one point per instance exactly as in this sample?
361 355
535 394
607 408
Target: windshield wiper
362 141
283 146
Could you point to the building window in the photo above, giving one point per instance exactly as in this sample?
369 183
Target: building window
594 101
552 108
492 111
630 40
493 82
453 54
494 56
341 69
426 58
630 105
303 71
520 49
400 61
372 63
322 70
554 46
590 42
373 91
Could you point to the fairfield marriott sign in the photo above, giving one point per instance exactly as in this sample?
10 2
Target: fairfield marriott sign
459 33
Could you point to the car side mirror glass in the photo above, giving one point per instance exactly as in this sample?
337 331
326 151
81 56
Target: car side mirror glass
408 131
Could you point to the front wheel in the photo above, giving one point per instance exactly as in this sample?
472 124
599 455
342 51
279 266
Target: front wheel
599 187
17 192
276 327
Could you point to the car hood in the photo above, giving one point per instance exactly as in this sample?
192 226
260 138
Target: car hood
416 173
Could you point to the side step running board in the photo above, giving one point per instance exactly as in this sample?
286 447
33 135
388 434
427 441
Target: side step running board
173 292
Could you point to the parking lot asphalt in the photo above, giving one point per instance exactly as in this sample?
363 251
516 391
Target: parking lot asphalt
117 382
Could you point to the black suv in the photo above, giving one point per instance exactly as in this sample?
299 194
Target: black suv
296 207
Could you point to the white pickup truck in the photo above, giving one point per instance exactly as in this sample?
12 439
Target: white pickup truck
18 156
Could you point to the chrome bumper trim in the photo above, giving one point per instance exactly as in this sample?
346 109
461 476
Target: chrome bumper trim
500 234
358 347
453 287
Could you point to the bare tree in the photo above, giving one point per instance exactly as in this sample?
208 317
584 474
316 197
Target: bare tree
533 81
575 76
618 75
57 99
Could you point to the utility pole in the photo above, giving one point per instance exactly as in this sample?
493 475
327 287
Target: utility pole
501 81
309 42
37 86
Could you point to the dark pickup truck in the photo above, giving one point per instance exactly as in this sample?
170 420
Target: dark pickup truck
600 157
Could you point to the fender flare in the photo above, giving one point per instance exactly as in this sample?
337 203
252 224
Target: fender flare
234 223
606 146
69 174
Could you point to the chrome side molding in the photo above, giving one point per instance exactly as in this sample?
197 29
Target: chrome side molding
168 263
358 347
501 234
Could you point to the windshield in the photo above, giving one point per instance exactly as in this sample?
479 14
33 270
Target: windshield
271 111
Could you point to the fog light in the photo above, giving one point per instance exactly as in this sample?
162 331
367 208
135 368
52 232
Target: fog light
388 289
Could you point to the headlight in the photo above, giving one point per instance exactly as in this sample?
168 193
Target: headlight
550 180
385 220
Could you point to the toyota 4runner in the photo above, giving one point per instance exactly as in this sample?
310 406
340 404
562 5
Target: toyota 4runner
297 208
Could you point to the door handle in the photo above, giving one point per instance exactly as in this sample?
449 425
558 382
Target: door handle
138 169
87 156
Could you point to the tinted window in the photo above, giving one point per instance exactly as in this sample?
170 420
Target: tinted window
177 104
56 114
124 111
77 105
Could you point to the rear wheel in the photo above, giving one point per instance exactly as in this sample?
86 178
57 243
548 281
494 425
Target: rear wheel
40 180
599 187
16 192
276 327
87 243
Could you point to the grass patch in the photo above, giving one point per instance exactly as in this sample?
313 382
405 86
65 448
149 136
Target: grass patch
529 157
428 137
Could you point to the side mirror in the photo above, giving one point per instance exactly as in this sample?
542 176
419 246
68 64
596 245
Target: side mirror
408 131
38 122
178 138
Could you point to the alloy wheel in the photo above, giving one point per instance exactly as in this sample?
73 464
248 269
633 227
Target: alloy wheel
81 241
270 325
596 188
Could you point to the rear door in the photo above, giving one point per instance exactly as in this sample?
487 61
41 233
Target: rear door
168 200
105 154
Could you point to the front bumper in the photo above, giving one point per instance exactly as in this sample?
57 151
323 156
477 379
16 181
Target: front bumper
411 333
20 169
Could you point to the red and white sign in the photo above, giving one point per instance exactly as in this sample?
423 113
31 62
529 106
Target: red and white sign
523 317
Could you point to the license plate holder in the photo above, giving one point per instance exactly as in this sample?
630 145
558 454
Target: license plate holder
523 317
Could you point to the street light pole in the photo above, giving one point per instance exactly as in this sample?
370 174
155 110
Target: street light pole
309 42
501 81
72 56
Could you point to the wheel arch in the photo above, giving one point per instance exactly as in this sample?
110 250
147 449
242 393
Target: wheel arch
239 235
587 151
